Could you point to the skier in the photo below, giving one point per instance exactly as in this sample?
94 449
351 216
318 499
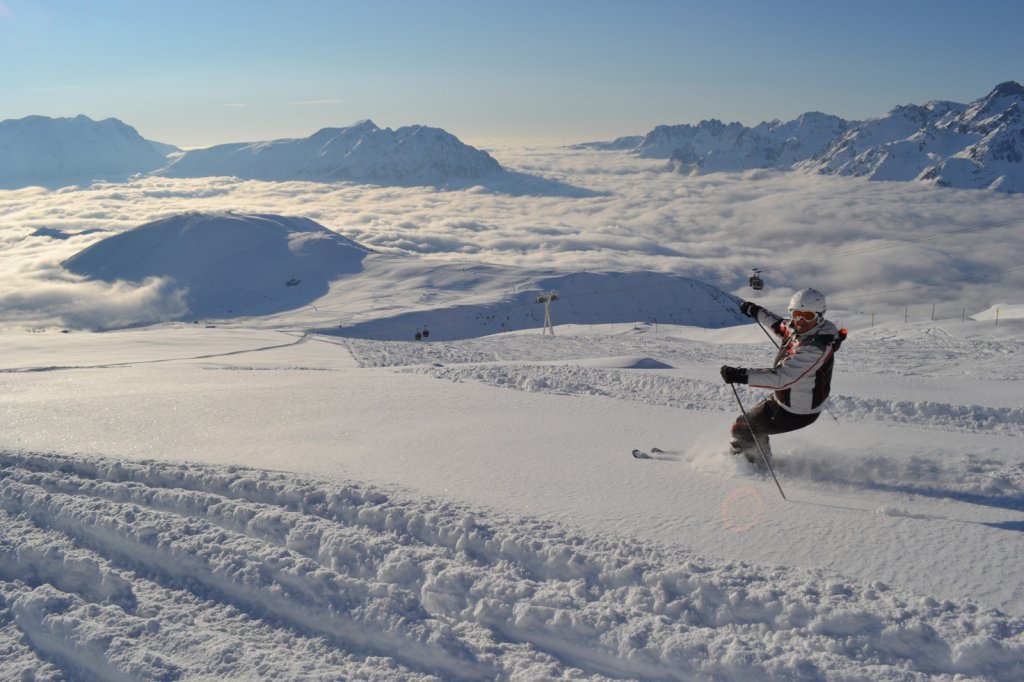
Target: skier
801 374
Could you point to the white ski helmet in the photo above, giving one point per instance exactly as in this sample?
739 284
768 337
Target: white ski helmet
808 299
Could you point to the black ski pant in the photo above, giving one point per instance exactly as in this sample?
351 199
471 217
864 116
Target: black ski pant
767 418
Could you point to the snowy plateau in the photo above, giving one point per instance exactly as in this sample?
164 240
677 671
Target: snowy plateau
225 454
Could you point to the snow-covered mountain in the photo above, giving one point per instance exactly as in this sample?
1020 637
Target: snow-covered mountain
713 146
55 152
773 144
363 152
976 145
627 142
689 141
897 146
996 160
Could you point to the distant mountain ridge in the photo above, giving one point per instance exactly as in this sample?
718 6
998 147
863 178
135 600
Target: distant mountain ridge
38 150
948 144
976 145
713 146
55 152
363 152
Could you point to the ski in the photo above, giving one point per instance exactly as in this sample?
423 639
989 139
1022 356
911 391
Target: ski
640 454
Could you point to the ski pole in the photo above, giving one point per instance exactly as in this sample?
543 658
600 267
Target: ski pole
772 339
756 442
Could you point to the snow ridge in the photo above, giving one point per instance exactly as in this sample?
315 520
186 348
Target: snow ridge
414 588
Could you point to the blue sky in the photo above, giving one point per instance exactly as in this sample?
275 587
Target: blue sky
197 73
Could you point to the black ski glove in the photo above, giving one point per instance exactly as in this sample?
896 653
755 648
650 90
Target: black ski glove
750 309
734 375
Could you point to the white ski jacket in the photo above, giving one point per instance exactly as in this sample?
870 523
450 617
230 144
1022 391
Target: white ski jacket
802 372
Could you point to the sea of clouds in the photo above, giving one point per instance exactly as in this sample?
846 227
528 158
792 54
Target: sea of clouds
872 246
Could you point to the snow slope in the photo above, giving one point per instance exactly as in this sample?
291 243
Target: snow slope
430 519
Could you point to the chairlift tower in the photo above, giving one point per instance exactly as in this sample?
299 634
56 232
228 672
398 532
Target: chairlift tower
546 299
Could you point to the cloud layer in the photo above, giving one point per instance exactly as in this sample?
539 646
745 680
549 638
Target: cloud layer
872 246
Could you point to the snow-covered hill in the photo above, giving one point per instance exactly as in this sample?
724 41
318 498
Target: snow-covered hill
363 152
226 265
584 299
976 145
54 152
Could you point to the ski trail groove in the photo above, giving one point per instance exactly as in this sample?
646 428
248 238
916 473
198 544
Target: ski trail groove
426 586
649 388
273 581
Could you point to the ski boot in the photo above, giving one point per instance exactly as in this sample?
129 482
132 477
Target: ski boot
748 449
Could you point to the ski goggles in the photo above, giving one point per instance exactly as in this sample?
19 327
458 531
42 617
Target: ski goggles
805 315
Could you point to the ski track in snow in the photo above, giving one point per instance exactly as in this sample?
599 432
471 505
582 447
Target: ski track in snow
971 477
693 394
119 570
481 361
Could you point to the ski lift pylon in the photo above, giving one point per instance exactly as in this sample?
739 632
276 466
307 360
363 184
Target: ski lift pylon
756 283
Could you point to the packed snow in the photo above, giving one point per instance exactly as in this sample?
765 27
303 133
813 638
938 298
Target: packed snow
308 493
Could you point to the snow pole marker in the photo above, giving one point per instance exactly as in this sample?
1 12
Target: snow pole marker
757 442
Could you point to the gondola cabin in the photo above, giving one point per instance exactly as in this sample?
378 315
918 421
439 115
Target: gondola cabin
756 283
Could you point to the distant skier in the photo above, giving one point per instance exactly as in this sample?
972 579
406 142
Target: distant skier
801 374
